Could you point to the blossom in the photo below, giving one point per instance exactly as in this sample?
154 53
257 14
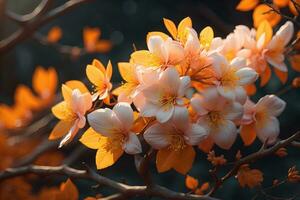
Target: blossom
230 77
111 134
174 141
260 119
71 113
160 98
92 43
162 52
218 116
100 77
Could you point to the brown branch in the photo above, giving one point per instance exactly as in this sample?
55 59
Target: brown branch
126 190
31 26
263 152
38 11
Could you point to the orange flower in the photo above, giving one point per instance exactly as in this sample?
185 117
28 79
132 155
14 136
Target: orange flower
264 12
216 160
191 183
92 43
249 177
54 35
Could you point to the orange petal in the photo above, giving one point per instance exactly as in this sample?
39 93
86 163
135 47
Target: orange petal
127 71
25 98
265 76
99 65
263 12
91 139
109 70
206 145
206 36
248 134
182 32
103 46
74 84
283 76
293 8
63 112
171 27
247 5
68 191
54 35
66 93
264 28
191 183
281 3
107 154
60 129
95 75
250 89
145 58
295 62
185 159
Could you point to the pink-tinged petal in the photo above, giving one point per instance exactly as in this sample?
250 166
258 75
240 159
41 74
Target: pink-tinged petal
196 103
238 63
132 145
123 97
155 46
233 111
269 131
226 92
219 64
246 76
169 80
156 136
146 75
286 32
272 104
184 85
80 103
124 113
104 121
165 113
192 44
175 51
153 93
180 118
195 134
216 44
213 100
225 135
81 121
70 135
240 95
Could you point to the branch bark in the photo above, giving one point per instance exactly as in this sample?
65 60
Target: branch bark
123 190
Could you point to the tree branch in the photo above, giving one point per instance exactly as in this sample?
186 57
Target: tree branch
31 26
126 190
263 152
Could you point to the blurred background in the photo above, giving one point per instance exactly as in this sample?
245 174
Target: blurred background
124 23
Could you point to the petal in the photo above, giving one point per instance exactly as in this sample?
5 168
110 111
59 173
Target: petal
240 95
169 80
104 121
106 156
132 144
180 118
74 84
246 76
175 51
62 111
196 103
169 24
91 139
70 135
108 71
155 46
156 136
247 5
248 134
127 71
226 92
95 75
184 159
233 111
184 85
60 129
270 130
225 135
195 134
238 63
272 104
124 113
165 113
286 32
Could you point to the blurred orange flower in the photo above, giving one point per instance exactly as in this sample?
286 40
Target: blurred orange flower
54 34
92 41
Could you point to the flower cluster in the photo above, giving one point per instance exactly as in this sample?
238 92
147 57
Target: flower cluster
185 90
